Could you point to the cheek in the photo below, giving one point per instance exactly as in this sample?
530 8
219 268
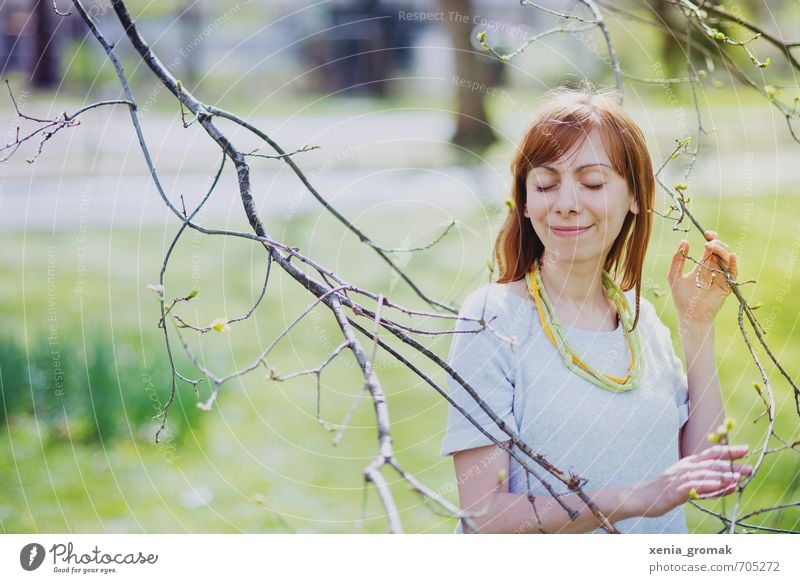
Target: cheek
536 206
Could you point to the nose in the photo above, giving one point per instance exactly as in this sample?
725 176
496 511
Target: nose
567 198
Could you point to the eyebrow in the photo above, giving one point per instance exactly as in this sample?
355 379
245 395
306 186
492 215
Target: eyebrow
578 169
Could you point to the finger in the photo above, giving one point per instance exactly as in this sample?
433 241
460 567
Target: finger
720 492
678 262
743 469
733 266
724 476
723 452
701 487
716 247
713 248
714 465
715 239
709 235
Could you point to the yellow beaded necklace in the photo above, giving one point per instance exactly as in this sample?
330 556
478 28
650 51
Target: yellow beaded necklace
554 330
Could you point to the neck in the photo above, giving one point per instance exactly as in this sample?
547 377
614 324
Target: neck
577 285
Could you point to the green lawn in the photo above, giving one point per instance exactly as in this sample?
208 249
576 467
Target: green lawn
260 461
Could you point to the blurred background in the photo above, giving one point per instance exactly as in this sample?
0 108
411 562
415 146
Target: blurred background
415 126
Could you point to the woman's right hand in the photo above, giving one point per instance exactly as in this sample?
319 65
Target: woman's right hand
711 473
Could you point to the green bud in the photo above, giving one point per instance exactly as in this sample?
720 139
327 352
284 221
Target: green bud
502 475
481 36
729 423
756 305
220 325
681 186
504 58
192 294
693 494
714 437
512 206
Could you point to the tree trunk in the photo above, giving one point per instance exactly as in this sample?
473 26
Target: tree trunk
44 60
473 130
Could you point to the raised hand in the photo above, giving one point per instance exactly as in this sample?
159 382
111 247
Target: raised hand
699 295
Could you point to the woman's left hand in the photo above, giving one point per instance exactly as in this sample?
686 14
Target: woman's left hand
699 295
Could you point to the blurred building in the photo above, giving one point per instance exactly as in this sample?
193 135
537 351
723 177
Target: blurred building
354 45
32 39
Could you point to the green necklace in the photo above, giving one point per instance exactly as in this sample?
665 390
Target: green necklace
555 332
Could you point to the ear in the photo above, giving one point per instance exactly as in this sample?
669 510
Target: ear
634 208
525 210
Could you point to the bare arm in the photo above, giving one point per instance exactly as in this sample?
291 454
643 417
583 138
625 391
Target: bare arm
698 296
498 511
483 490
706 411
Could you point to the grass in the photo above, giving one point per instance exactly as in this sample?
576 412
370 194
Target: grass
260 461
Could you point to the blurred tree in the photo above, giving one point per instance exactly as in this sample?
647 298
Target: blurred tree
473 130
44 62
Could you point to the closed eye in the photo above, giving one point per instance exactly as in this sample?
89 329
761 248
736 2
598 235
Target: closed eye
594 186
544 188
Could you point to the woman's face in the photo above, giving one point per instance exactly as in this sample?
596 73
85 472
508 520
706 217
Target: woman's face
578 203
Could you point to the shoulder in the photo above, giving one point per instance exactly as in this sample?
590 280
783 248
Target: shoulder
494 298
650 324
499 303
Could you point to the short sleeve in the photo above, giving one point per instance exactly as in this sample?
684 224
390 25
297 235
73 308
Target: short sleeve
484 360
675 373
681 384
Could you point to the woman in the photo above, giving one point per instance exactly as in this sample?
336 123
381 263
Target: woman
573 359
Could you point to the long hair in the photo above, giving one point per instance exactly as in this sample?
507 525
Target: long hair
569 115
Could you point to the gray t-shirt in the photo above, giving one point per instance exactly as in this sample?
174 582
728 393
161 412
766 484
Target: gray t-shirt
608 438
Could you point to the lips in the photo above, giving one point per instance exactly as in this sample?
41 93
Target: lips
570 231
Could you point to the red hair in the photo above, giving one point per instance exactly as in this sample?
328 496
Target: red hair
565 118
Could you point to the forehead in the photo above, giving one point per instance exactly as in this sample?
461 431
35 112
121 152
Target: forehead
586 152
